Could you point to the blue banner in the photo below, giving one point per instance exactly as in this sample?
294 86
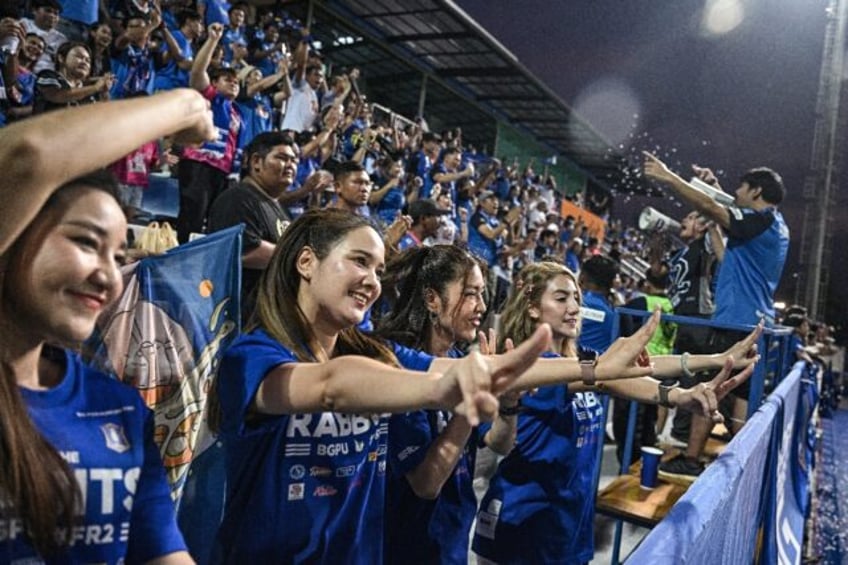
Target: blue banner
758 487
793 443
166 334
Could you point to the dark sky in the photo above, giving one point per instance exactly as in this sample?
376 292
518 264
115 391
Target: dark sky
647 76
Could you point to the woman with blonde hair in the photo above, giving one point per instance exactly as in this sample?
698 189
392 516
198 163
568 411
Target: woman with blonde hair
540 504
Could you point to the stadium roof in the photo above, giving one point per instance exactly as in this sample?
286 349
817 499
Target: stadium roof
472 80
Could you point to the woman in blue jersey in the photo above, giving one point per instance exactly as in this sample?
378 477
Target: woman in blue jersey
303 407
435 297
540 505
81 479
437 301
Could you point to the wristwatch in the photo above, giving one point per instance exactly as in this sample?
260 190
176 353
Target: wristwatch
664 390
588 361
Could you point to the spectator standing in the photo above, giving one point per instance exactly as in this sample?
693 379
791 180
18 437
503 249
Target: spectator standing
178 57
77 17
270 167
486 233
133 175
132 62
302 108
100 44
353 188
214 11
691 273
203 172
757 245
596 279
45 19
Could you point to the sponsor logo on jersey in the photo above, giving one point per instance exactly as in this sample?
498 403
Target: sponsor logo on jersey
347 471
296 491
407 451
372 456
116 439
324 490
320 472
332 449
360 445
298 449
297 472
381 468
592 314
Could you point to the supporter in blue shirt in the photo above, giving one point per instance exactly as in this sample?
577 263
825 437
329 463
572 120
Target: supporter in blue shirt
486 233
306 471
539 507
84 481
388 199
754 255
132 62
214 11
596 279
179 53
234 31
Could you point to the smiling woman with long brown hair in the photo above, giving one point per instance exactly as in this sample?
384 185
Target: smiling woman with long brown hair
80 477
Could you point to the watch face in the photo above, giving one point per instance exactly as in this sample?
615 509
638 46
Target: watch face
586 355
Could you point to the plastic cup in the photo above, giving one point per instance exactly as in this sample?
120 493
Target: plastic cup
650 466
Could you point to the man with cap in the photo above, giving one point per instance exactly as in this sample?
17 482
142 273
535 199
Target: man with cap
425 223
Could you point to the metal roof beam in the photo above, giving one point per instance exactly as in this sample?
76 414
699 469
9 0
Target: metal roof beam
429 36
512 98
477 72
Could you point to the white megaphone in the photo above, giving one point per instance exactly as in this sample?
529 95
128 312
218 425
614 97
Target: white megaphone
719 196
651 219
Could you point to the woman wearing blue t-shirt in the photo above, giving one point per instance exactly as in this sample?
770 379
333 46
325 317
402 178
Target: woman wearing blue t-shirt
82 480
304 393
435 297
540 505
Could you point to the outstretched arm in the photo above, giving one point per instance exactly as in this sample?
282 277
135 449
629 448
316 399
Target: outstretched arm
359 384
656 169
35 158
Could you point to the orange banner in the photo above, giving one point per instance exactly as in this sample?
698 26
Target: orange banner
594 223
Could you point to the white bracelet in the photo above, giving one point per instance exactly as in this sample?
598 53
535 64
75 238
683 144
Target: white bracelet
684 365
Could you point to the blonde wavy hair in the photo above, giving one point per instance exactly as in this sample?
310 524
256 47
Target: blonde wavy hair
530 285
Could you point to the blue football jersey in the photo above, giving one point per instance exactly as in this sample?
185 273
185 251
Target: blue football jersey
301 487
540 504
756 250
419 530
105 432
597 326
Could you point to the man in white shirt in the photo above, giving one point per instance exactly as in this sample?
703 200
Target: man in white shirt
43 23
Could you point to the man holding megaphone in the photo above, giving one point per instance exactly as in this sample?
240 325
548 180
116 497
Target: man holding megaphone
757 245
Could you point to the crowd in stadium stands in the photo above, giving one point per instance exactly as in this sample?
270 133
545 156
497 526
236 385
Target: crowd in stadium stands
352 193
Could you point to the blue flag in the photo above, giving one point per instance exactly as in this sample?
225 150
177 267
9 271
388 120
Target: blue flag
165 336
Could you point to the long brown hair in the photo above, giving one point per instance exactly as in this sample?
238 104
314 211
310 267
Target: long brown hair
37 483
530 285
277 311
